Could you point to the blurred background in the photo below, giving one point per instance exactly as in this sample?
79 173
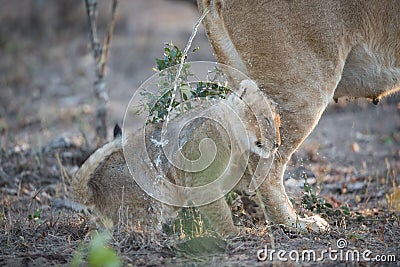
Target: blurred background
47 73
47 67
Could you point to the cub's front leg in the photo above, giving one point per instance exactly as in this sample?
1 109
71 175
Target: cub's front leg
220 216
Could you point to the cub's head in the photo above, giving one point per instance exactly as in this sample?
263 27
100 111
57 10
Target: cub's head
259 118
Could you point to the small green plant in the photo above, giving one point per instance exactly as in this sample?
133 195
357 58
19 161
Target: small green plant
158 105
317 204
172 57
99 253
35 216
312 202
190 224
230 198
388 140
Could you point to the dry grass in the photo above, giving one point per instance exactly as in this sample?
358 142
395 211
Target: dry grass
33 231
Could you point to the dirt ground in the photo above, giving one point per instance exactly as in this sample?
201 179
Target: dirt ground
46 131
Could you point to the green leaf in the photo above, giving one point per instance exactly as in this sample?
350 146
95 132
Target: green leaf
345 210
37 214
103 257
100 255
173 54
388 141
160 64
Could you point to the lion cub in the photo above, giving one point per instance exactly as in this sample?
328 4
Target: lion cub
104 181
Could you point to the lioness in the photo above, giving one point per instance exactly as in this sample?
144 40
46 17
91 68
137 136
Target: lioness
105 183
303 53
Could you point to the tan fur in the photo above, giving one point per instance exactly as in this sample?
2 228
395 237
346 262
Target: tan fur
81 191
303 53
104 182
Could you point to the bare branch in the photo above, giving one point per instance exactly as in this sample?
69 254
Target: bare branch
100 54
91 9
107 40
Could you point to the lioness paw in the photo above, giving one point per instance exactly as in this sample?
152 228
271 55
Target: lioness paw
313 224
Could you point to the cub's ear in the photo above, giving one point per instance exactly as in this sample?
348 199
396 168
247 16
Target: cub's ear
117 131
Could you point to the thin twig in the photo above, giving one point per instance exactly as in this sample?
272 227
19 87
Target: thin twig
91 9
107 40
64 174
100 54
